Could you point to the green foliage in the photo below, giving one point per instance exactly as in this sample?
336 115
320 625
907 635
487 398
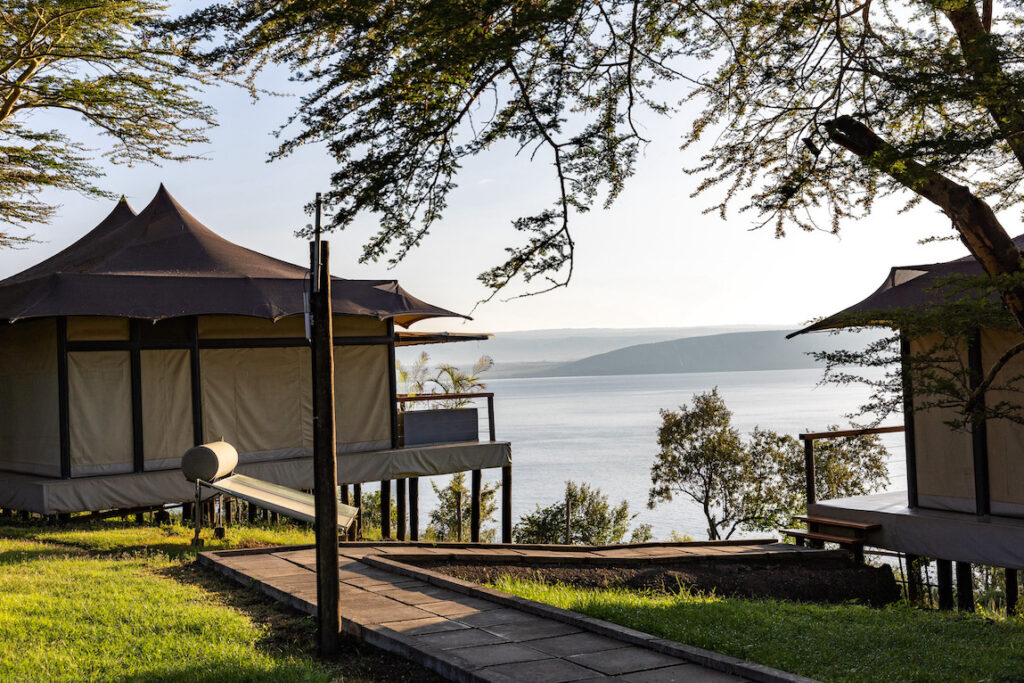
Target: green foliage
102 62
937 360
418 379
805 112
756 484
592 520
371 519
444 520
849 643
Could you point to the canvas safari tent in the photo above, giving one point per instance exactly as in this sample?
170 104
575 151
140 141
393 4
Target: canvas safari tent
965 486
152 334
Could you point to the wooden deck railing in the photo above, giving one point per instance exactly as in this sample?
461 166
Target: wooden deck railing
476 485
810 437
489 395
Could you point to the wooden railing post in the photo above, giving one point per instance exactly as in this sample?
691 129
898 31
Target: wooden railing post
811 494
506 504
474 506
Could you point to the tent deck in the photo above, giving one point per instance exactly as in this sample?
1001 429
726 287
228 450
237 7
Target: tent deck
992 540
46 495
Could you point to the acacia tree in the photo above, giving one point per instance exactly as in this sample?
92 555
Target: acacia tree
811 110
758 484
99 61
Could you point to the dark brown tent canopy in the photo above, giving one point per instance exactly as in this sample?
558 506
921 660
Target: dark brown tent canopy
906 287
163 263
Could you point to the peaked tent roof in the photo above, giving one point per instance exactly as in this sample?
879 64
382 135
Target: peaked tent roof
906 287
164 263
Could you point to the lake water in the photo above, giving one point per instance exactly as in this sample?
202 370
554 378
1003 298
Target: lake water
603 431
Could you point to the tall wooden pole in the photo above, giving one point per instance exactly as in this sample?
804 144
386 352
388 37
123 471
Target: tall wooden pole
325 473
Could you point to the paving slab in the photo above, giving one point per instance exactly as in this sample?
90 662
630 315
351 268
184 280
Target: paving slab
482 656
576 644
541 671
625 660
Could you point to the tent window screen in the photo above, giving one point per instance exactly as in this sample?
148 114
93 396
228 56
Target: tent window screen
945 458
1005 438
362 397
166 407
100 412
256 399
30 428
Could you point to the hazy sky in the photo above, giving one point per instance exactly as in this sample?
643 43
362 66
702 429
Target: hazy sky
652 260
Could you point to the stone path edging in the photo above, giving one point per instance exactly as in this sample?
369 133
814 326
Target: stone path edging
706 658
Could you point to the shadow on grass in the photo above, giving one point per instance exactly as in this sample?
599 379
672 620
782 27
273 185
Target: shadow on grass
20 555
286 630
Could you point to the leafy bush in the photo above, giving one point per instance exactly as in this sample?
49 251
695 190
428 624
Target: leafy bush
592 521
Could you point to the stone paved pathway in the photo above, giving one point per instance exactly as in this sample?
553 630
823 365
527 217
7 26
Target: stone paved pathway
469 638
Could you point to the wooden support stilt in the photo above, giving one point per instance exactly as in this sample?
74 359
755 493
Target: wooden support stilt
343 495
474 506
1012 591
385 509
400 496
964 587
506 504
357 496
414 509
63 517
944 577
228 504
186 513
252 512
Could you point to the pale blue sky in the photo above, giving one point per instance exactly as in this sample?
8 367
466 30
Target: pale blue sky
652 260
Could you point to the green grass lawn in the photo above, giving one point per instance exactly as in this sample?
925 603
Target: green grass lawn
827 642
119 602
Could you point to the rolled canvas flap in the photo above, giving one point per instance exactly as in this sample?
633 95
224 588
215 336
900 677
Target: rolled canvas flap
209 461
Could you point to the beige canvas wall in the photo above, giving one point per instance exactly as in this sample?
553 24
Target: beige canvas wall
362 397
100 412
97 328
166 407
238 327
1005 437
260 400
29 412
945 460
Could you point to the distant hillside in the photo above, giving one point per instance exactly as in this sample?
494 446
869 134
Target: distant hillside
712 353
508 349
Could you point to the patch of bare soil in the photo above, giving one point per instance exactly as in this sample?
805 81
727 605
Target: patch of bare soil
814 579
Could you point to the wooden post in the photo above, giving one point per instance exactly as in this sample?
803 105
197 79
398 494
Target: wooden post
944 576
458 515
506 504
357 495
325 462
1012 591
964 587
810 494
474 506
400 495
252 512
414 509
568 520
385 509
979 434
